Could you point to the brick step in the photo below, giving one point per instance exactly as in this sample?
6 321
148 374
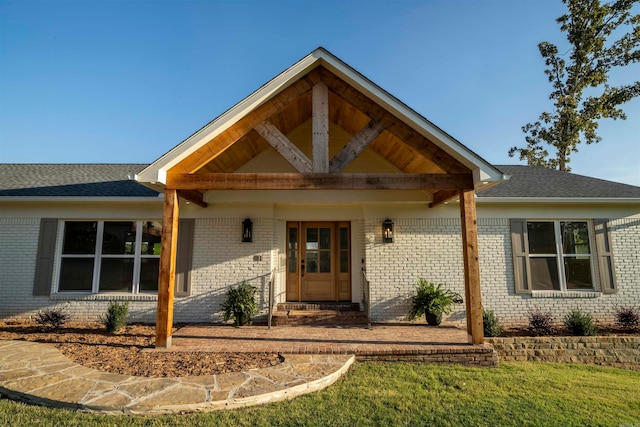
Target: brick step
318 317
315 306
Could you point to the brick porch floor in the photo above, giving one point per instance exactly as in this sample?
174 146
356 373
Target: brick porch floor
445 344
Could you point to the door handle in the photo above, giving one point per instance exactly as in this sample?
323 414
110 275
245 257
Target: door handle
302 268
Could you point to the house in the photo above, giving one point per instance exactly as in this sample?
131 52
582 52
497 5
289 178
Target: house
329 188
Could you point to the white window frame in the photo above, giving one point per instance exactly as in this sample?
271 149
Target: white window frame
99 256
560 255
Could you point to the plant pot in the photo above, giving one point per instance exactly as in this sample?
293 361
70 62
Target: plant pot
433 319
240 318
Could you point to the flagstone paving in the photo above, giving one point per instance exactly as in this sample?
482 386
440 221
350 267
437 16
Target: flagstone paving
38 373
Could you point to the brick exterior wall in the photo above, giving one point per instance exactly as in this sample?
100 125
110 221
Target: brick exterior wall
431 248
423 247
221 260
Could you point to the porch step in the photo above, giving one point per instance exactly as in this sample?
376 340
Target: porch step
344 314
304 306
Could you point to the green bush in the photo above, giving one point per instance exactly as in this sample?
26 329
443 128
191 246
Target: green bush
116 317
541 323
51 318
580 324
240 304
491 324
628 317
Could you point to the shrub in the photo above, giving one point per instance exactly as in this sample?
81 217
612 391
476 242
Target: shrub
240 304
51 318
628 317
491 324
116 317
541 323
579 323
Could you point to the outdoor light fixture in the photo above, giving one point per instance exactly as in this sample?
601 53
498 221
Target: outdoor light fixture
247 230
387 231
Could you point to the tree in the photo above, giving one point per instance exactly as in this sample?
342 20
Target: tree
581 94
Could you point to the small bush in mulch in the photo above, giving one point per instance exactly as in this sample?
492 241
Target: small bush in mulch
51 319
628 318
541 323
116 317
491 324
580 324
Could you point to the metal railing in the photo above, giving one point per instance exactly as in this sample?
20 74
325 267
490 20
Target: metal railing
272 281
366 297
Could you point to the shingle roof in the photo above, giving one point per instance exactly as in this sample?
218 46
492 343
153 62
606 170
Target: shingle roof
71 180
538 181
111 180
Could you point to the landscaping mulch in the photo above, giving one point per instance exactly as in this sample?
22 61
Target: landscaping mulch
90 345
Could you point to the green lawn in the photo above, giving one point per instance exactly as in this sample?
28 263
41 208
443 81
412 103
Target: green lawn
408 394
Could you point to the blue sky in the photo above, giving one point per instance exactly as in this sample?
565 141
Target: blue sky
119 82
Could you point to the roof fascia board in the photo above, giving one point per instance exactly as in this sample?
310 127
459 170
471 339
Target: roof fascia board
420 124
580 200
156 172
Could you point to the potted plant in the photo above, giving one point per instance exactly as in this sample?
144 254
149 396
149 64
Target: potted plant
240 304
432 301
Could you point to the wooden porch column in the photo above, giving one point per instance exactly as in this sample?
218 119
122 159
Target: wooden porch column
473 298
166 281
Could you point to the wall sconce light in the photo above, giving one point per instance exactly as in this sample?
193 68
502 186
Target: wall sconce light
247 230
387 231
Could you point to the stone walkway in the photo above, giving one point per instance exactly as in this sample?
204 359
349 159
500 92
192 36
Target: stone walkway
38 373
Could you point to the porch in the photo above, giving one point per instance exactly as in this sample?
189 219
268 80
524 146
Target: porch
410 342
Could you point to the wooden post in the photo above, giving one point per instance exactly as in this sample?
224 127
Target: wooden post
320 128
473 296
166 281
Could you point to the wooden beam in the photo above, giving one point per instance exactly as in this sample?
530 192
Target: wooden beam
319 181
443 196
166 281
320 128
193 196
283 146
356 146
392 124
473 296
220 143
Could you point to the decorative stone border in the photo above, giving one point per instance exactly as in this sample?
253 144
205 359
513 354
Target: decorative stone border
614 351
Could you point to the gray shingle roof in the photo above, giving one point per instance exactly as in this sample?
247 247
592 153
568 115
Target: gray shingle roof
538 181
111 180
71 180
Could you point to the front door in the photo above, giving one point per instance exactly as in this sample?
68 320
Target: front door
318 261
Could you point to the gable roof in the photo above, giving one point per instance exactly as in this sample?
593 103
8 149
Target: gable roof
538 182
72 180
483 172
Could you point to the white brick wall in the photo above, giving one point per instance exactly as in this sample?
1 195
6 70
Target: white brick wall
432 249
221 260
423 247
428 248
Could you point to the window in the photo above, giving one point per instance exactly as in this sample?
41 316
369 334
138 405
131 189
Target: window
560 255
110 256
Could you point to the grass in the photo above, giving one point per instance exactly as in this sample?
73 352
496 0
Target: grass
408 394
